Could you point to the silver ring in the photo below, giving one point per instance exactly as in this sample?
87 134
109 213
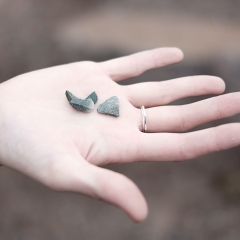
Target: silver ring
144 119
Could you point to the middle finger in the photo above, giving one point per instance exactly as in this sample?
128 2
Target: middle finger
152 94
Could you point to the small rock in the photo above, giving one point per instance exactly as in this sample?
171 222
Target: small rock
84 105
93 96
110 107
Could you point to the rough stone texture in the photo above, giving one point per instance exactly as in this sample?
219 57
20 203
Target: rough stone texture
84 105
110 107
93 96
70 96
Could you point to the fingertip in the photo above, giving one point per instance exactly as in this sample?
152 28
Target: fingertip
222 84
219 84
132 201
208 84
117 189
170 55
178 53
142 212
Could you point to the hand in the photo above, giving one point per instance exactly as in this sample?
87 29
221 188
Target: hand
42 136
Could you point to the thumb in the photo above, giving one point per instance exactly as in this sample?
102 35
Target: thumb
119 190
104 184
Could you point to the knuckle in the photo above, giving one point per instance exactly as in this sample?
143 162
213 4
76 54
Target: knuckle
217 146
135 63
195 86
182 118
216 105
86 66
182 150
155 60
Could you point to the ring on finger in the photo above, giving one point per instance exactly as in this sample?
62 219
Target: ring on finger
144 119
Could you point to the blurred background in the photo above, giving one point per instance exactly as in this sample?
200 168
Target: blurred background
198 199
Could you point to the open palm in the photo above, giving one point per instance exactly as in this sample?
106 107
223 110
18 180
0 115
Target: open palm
42 136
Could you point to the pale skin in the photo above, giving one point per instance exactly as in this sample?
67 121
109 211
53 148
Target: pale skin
42 136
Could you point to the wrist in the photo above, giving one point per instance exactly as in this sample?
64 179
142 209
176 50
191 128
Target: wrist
3 92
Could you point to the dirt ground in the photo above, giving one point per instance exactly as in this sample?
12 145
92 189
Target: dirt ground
197 199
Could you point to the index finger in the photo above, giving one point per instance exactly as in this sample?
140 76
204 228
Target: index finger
133 65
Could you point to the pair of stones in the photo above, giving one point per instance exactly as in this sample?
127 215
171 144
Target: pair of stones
110 106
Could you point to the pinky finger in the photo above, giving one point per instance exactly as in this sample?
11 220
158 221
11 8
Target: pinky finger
184 146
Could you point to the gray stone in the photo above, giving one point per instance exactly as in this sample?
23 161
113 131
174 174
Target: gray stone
110 107
70 96
84 105
93 96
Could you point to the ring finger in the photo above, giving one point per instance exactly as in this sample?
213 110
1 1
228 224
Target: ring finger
185 117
